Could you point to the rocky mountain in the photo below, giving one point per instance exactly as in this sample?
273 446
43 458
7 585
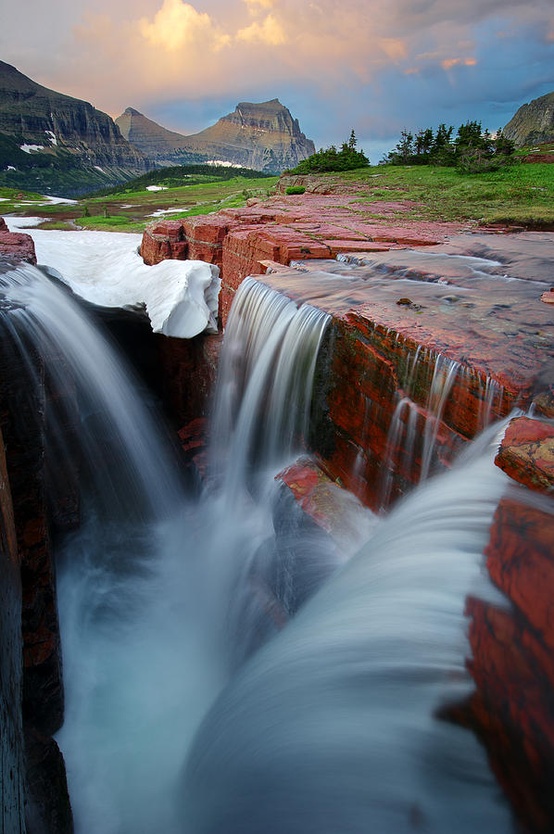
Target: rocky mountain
56 144
262 136
533 124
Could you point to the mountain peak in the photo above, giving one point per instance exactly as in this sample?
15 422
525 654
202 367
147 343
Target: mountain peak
262 135
533 123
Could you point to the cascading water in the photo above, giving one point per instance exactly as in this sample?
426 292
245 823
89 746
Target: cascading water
328 727
331 726
119 582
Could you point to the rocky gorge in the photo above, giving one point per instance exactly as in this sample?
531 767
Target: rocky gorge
437 329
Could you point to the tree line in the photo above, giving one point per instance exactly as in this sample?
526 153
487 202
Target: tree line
472 149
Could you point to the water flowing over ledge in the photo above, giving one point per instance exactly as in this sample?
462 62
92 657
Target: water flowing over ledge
267 619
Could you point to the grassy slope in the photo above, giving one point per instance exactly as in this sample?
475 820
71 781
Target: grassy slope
522 194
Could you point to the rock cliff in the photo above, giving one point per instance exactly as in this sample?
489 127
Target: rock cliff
53 143
533 124
261 136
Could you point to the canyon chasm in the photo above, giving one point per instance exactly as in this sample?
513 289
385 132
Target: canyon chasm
433 334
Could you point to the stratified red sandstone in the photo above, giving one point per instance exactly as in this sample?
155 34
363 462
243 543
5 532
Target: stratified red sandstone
527 454
16 246
282 229
513 666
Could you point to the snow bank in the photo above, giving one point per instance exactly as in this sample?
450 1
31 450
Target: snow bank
180 297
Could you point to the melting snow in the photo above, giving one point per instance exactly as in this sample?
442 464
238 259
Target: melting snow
29 148
180 297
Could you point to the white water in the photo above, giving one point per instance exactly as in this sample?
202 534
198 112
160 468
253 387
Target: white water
329 728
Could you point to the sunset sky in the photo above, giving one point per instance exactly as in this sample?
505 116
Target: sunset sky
373 66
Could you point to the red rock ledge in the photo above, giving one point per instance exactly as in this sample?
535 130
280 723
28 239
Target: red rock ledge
16 246
285 228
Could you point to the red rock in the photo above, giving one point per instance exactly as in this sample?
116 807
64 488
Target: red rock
520 560
3 225
318 226
17 246
527 453
188 369
164 240
193 439
513 711
548 297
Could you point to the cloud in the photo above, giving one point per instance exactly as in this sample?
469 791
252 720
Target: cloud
448 63
254 4
178 24
353 63
269 31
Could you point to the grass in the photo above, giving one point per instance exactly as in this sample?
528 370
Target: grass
521 194
130 209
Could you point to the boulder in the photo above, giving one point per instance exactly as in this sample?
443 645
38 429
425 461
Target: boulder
16 246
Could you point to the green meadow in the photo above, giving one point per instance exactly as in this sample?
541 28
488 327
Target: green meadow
520 194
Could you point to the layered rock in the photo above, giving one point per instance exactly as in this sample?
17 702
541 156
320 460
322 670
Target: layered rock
512 665
458 315
53 141
16 246
533 123
282 229
29 608
261 136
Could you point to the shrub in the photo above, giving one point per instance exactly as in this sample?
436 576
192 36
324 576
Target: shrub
295 189
330 159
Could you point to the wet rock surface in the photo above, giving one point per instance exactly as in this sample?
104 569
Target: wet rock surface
424 338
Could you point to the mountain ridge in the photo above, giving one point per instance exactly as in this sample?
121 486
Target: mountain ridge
533 123
263 136
49 140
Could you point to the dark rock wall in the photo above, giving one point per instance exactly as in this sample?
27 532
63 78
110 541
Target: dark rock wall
33 780
12 748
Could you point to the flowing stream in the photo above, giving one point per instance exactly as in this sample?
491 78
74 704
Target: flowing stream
190 707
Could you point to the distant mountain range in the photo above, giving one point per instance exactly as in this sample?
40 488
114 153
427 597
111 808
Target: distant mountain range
52 143
261 136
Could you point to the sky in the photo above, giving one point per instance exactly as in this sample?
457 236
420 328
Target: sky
372 66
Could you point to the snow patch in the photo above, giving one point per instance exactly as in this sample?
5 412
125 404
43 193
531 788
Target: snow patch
162 212
223 163
58 200
30 148
11 168
104 268
51 137
156 188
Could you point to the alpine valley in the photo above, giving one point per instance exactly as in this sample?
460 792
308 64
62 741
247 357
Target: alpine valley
54 144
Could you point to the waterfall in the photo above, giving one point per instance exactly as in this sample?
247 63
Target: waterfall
191 708
262 406
332 726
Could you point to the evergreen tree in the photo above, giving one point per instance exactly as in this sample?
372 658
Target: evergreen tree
330 159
